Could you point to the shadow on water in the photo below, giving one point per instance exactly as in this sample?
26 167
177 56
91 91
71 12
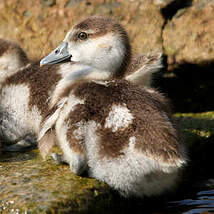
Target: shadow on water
189 86
196 192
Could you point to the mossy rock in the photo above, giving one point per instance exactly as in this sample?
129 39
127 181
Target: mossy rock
30 185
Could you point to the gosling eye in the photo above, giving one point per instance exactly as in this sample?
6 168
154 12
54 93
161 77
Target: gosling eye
82 36
56 51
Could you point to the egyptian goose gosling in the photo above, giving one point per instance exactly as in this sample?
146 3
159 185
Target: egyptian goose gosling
121 133
28 91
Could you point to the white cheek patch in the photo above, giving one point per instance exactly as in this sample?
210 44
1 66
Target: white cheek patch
84 51
104 53
108 48
76 55
119 118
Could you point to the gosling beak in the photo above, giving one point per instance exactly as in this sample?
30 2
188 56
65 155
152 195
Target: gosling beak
60 54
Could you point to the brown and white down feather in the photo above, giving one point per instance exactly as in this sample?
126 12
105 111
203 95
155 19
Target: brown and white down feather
28 91
121 133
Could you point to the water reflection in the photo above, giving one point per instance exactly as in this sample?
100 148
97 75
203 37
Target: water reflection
203 203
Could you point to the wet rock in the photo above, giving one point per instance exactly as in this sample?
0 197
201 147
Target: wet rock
188 37
31 185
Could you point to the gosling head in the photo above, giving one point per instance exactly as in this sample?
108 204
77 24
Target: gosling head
12 57
99 43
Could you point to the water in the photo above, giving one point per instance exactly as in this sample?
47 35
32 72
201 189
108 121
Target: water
202 202
188 200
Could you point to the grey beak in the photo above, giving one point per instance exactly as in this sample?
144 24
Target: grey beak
60 54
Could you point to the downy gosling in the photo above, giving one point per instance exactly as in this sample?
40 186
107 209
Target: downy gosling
119 132
27 92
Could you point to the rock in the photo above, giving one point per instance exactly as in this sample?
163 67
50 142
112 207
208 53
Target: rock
31 185
48 3
163 3
188 37
145 28
39 26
